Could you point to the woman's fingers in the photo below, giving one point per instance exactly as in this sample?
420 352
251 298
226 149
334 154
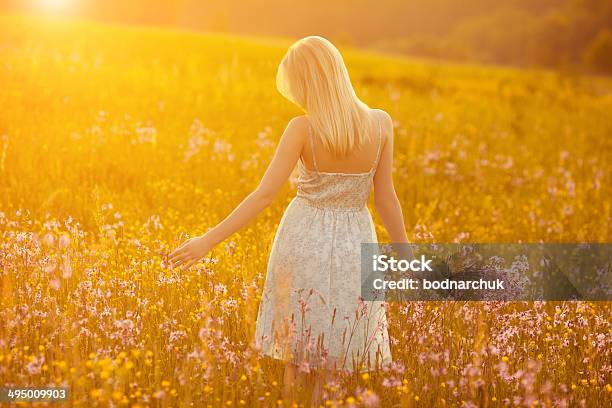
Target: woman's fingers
178 253
178 263
180 248
188 265
181 258
174 253
176 256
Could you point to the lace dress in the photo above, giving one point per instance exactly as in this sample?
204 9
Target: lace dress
311 310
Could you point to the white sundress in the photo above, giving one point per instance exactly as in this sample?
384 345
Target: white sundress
311 311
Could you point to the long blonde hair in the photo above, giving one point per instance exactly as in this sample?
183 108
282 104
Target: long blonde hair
312 75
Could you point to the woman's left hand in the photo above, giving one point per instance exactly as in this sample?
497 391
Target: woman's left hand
189 252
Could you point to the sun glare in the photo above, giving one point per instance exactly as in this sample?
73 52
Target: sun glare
54 5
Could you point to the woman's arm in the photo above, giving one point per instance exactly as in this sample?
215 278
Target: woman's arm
279 170
385 198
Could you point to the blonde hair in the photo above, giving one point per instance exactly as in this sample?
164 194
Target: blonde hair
312 75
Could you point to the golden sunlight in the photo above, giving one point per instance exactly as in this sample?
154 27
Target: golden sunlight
54 5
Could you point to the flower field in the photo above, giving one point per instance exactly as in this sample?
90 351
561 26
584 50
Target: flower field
117 141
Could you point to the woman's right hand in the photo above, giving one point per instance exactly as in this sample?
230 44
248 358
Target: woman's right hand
190 252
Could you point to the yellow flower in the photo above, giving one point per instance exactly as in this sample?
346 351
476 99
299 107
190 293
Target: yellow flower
505 359
365 376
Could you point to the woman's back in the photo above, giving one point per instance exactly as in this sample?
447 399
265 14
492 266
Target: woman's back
359 161
335 184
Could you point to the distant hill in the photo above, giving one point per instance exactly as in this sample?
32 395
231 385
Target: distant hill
567 34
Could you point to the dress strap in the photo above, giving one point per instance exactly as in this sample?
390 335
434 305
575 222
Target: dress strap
311 141
375 164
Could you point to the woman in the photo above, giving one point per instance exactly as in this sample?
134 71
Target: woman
311 315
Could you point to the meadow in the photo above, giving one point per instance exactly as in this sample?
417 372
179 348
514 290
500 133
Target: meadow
117 141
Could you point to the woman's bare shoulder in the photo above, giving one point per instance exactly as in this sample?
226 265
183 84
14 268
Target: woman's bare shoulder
296 130
386 123
384 116
299 124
